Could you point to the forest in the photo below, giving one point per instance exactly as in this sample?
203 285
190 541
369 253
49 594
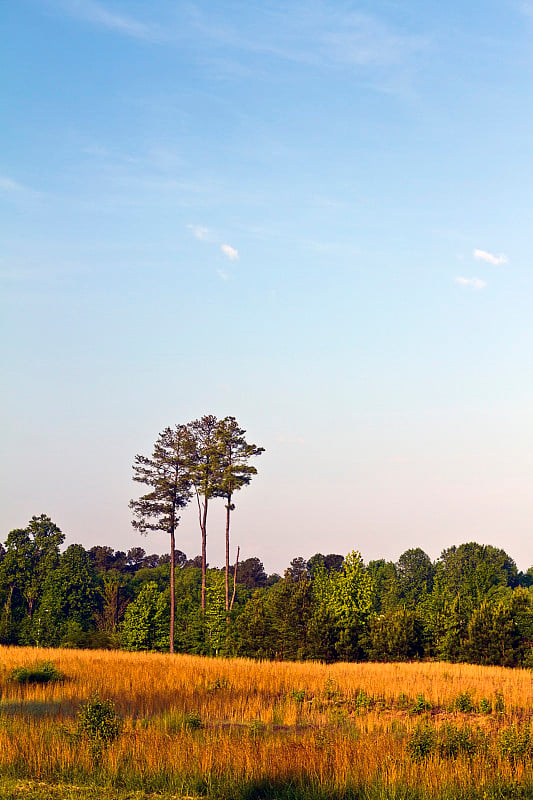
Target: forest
470 605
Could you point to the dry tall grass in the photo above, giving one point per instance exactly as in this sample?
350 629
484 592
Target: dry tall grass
344 725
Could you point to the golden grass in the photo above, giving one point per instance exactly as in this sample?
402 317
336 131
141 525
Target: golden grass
281 721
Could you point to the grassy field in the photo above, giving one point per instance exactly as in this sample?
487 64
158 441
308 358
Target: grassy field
241 730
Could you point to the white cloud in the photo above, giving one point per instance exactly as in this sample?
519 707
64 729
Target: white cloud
7 185
222 275
474 283
490 258
96 13
230 252
199 231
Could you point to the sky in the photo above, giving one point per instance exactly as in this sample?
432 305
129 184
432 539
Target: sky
313 216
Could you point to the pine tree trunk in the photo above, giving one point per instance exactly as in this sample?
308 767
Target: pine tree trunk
228 512
204 551
172 590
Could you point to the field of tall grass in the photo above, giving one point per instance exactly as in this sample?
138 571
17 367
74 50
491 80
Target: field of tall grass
235 729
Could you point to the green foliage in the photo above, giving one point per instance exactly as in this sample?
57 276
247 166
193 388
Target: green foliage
342 602
192 721
175 722
464 703
395 635
363 701
415 572
485 706
493 636
422 743
420 706
98 721
348 593
43 672
146 620
516 742
454 741
216 614
298 695
257 728
499 703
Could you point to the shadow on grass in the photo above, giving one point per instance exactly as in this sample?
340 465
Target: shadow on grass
32 708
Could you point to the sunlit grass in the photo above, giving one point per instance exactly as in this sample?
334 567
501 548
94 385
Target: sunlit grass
214 727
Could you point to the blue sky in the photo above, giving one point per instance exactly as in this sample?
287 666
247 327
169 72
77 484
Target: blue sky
315 217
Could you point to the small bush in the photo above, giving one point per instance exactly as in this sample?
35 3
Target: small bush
174 722
404 701
420 705
464 703
192 721
99 722
43 672
485 706
515 742
363 701
298 695
257 728
454 741
422 742
499 704
332 693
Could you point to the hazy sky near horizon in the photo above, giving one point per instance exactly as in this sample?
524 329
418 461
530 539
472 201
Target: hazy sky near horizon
316 217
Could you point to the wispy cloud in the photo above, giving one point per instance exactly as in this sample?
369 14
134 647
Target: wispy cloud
223 275
97 14
17 192
490 258
473 283
8 185
230 252
320 34
199 232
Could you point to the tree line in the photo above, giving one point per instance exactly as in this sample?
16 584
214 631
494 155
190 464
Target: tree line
471 604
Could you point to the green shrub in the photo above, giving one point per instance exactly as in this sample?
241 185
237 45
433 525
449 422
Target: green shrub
43 672
422 742
99 722
499 704
485 706
257 728
192 721
174 722
298 695
363 701
420 705
515 742
464 703
404 701
454 741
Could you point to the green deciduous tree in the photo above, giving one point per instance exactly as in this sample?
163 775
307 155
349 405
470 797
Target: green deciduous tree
168 473
32 553
146 620
70 600
346 597
415 572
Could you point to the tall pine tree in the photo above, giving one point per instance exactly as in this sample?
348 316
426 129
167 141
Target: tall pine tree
168 473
